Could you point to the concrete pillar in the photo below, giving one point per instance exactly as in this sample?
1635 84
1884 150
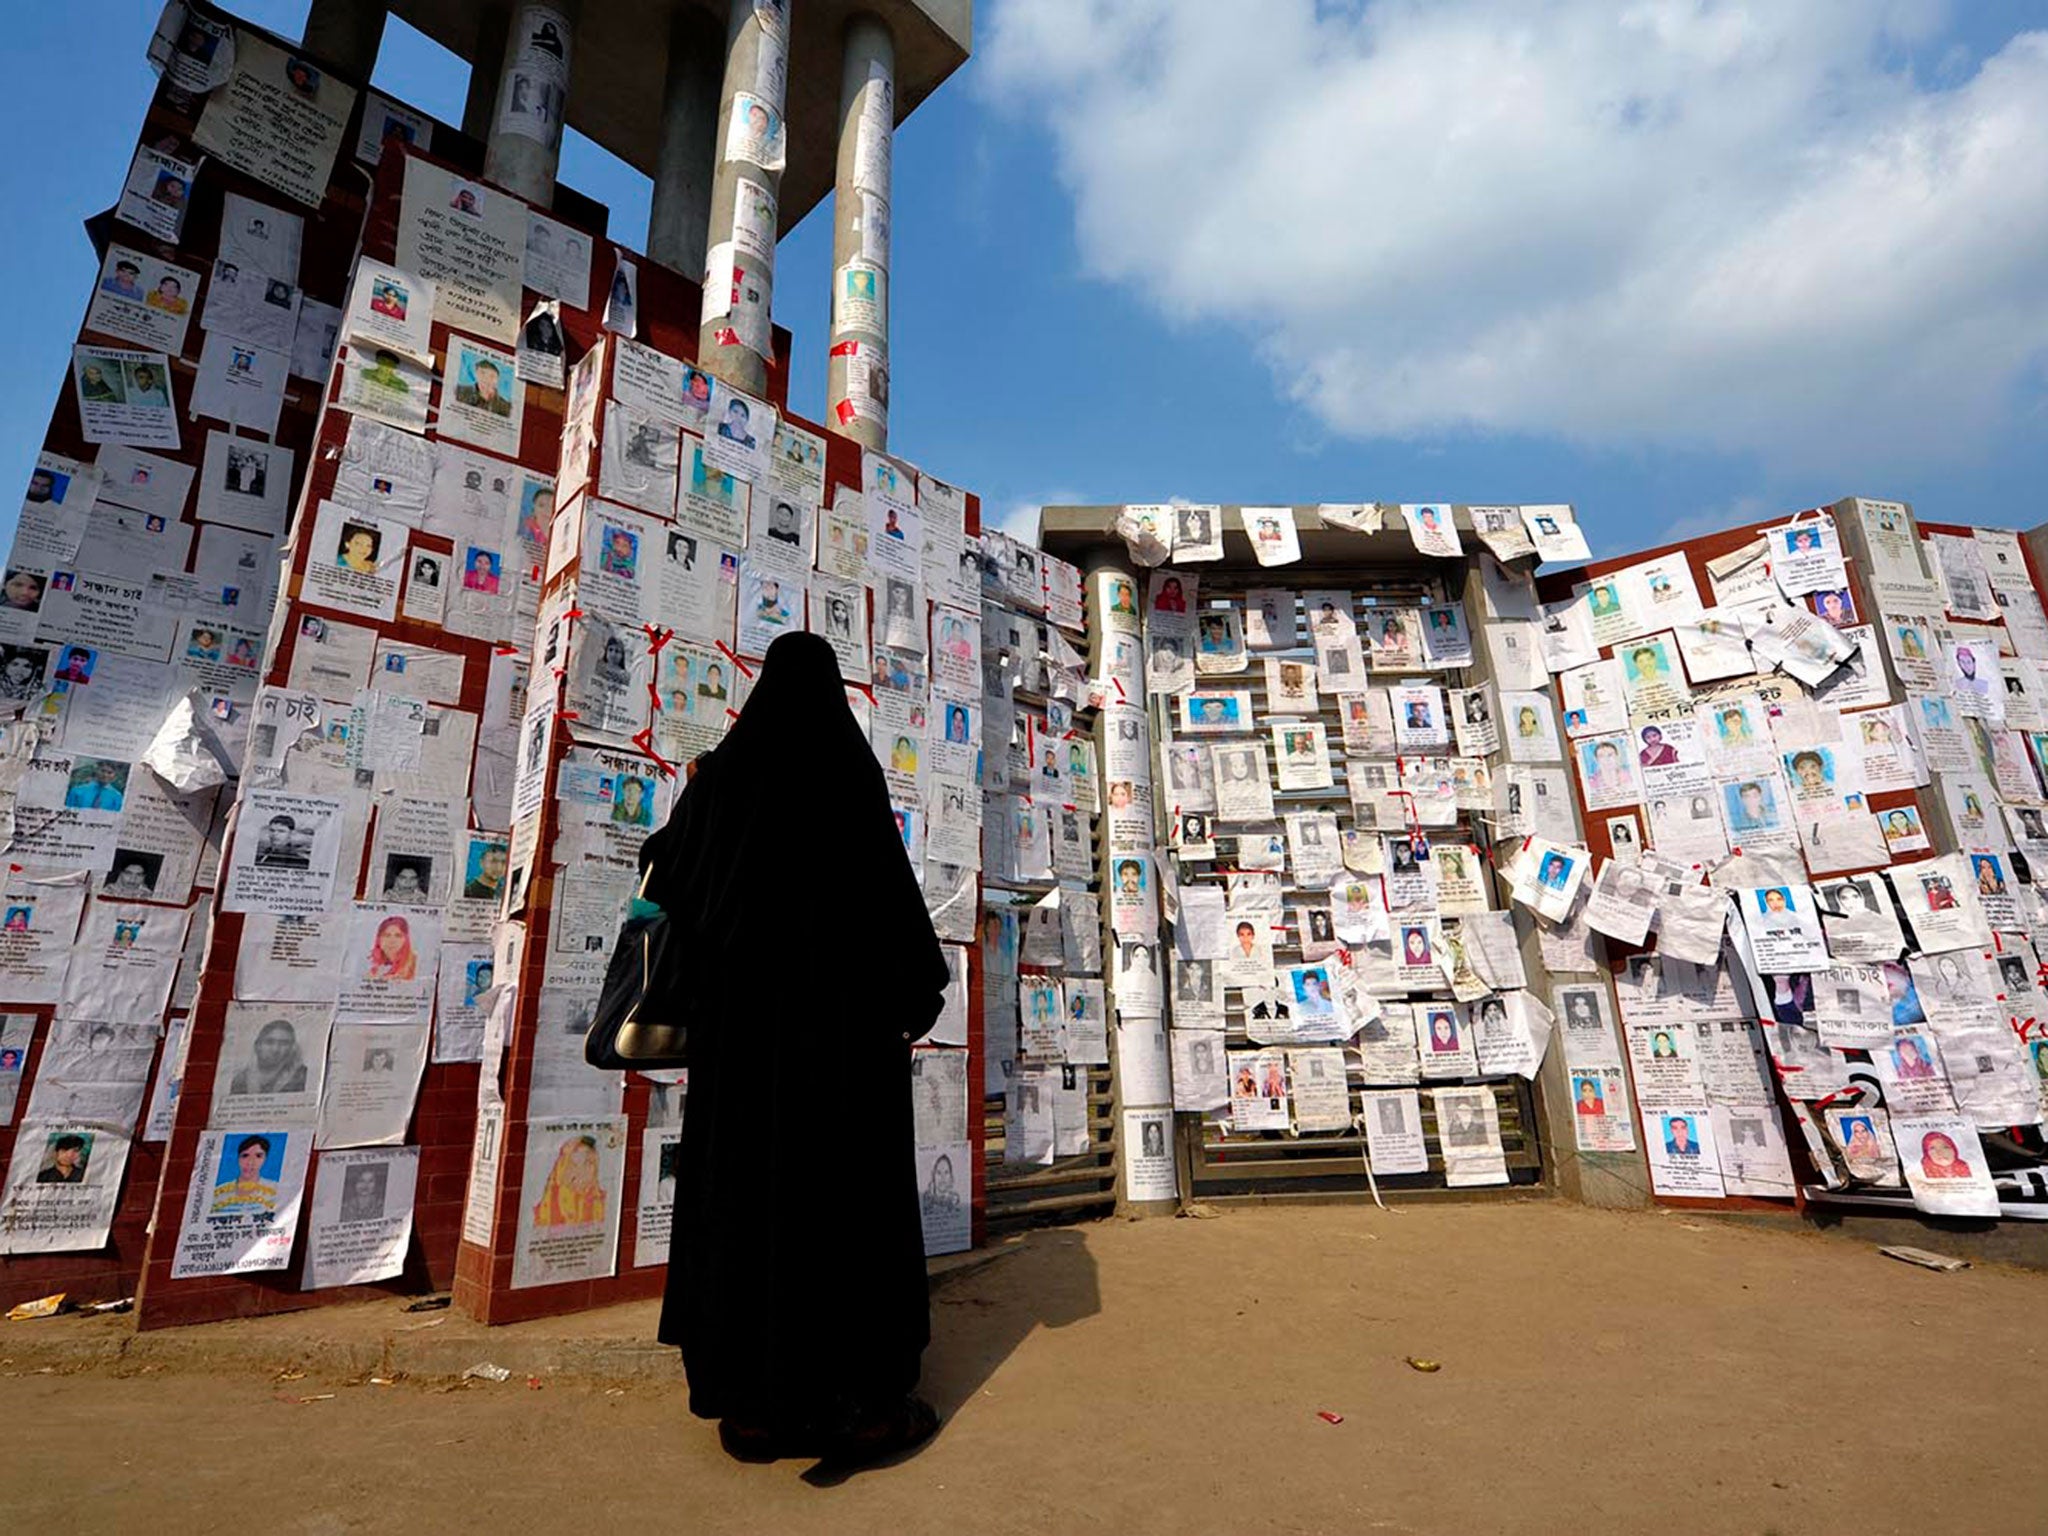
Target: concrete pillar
1608 1180
679 220
346 34
857 400
493 23
1134 713
523 144
735 339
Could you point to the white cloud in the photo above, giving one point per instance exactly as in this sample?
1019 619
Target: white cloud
1018 516
1729 226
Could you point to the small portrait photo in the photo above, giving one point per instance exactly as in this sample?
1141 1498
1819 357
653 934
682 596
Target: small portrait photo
75 665
1588 1096
478 977
1859 1140
1775 900
1912 1057
1555 871
408 877
302 77
66 1157
145 385
618 552
391 956
1211 711
1813 771
171 189
1989 873
245 1180
483 873
1837 606
388 297
1679 1137
480 570
1648 662
711 482
1902 825
1193 981
1732 725
1941 1158
96 784
482 382
1415 946
18 919
1940 894
276 1062
21 591
1603 599
1751 805
100 383
736 426
1312 990
202 643
632 801
132 875
21 672
1801 540
356 548
248 472
362 1191
698 388
281 843
1465 1126
379 1058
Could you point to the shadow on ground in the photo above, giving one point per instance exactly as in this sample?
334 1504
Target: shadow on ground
978 1322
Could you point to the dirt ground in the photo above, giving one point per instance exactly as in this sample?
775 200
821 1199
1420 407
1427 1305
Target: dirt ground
1600 1372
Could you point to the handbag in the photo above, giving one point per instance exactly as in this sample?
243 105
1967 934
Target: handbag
639 1025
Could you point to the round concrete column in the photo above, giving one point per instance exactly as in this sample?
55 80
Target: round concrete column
857 382
679 220
524 144
493 25
346 34
735 338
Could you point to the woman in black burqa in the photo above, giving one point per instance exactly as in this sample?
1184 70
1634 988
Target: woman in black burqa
796 1281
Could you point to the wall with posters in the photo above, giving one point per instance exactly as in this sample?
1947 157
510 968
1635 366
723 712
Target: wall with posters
1811 756
1324 969
358 1034
139 591
1049 1103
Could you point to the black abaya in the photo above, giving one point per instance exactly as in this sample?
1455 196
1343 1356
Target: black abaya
796 1283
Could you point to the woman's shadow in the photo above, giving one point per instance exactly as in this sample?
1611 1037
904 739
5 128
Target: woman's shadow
1046 1279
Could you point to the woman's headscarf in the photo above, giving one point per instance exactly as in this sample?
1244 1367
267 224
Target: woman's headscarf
404 966
1954 1168
567 1201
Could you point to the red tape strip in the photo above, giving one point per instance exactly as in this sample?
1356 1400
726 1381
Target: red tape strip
645 742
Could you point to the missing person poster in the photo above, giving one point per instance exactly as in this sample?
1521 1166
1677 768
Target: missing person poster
243 1207
362 1216
469 240
279 117
357 560
62 1186
124 396
569 1197
287 848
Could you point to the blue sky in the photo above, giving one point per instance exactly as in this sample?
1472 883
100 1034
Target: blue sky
1737 261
